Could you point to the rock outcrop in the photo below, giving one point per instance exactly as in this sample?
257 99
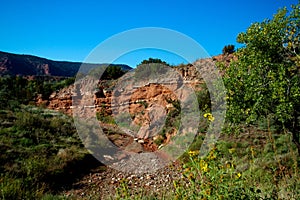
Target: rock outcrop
159 92
138 105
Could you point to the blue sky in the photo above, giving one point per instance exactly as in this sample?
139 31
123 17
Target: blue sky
70 30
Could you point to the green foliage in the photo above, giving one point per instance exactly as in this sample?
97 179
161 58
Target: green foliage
105 118
154 60
203 98
211 178
235 168
36 148
228 49
16 90
106 72
112 72
144 104
151 71
240 171
264 81
172 121
49 87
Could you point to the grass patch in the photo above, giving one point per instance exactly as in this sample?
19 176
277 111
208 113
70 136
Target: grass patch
37 149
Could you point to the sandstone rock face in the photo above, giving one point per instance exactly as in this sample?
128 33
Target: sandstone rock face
139 107
59 100
157 93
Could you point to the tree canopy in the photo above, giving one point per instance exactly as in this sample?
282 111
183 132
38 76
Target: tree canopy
154 60
264 81
228 49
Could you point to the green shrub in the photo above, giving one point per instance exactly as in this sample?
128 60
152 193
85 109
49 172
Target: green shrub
228 49
264 81
31 149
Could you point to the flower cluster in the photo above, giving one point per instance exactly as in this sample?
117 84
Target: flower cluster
209 116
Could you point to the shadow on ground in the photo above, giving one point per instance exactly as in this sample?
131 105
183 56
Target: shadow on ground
72 172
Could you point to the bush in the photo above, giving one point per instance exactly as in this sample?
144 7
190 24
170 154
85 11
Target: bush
228 49
30 146
154 60
264 82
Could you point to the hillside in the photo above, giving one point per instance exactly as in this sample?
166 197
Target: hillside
41 145
17 64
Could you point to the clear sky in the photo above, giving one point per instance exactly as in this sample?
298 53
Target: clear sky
70 30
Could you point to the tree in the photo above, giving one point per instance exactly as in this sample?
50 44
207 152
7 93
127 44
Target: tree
228 49
265 80
113 72
106 72
154 60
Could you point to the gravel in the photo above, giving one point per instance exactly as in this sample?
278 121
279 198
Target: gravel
104 183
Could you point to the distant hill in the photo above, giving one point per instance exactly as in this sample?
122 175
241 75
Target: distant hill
28 65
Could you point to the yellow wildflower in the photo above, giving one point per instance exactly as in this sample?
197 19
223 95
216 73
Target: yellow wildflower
238 175
193 153
203 166
212 155
209 116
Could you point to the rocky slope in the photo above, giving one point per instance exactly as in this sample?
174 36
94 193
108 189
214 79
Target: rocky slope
147 101
146 93
137 105
156 95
